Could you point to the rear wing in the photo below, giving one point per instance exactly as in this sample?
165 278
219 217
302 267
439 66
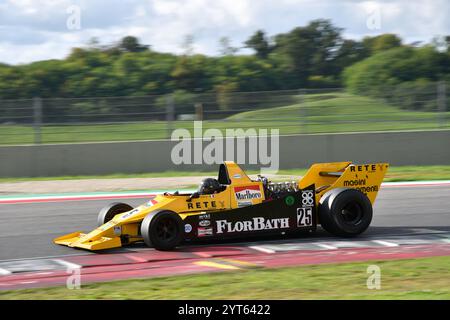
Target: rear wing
366 178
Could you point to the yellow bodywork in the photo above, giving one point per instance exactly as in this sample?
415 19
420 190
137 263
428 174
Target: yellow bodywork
124 227
365 177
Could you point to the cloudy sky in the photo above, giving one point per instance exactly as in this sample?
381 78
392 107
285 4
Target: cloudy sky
33 30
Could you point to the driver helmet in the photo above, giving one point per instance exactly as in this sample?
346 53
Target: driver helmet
209 186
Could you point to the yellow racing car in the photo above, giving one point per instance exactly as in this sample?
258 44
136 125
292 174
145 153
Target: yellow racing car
338 196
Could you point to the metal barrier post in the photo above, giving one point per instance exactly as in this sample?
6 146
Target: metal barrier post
303 111
441 103
170 114
199 111
37 123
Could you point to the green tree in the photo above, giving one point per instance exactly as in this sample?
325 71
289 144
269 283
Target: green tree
382 42
349 52
407 70
314 55
226 49
259 43
309 50
189 73
131 44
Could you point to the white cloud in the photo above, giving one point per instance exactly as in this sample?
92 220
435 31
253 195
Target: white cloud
32 30
27 53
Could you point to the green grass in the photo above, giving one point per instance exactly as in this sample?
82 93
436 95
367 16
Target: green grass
320 113
400 279
343 112
416 173
402 173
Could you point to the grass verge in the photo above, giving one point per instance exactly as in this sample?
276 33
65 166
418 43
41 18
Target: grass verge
423 278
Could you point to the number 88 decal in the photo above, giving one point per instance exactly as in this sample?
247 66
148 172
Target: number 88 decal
307 198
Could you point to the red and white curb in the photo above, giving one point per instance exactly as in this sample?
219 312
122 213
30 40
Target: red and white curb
78 197
44 272
140 266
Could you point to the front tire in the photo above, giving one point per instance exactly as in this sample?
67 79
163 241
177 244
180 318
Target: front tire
162 230
345 212
108 212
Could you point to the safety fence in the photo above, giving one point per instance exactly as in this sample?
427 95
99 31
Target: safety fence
302 111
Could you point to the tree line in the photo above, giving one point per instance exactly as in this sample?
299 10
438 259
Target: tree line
312 56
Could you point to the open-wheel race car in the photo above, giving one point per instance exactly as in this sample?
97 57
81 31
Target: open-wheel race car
338 196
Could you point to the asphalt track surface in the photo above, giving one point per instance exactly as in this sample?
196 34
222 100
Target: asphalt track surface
27 229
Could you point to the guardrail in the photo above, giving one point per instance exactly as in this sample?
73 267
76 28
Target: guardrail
68 120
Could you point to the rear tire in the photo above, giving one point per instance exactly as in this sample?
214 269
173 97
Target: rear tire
108 212
345 212
162 230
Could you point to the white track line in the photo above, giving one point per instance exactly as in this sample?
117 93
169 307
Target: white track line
326 246
68 264
262 249
386 243
88 196
416 183
38 274
82 197
4 272
424 230
46 257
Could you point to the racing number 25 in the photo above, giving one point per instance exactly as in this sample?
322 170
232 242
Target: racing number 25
304 217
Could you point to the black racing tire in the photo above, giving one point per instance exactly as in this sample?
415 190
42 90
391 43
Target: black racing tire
162 230
345 212
108 212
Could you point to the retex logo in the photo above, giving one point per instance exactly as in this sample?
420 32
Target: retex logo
214 146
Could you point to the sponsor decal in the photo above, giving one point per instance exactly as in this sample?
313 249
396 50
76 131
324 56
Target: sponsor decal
247 193
356 182
256 224
205 204
187 228
130 213
244 204
304 217
307 198
365 167
203 232
151 203
289 200
117 230
368 189
236 176
204 216
204 223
